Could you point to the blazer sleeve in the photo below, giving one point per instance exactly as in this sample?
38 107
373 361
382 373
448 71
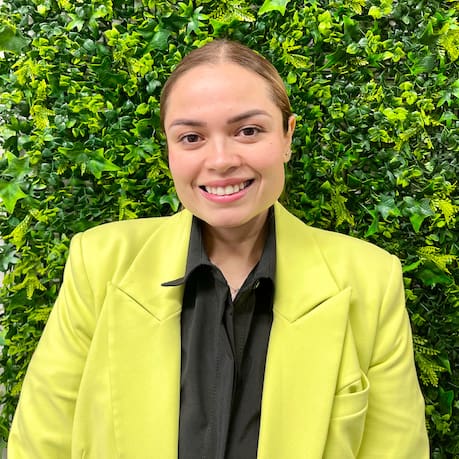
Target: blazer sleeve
42 425
395 421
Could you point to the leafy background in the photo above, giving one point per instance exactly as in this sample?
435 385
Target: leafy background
374 84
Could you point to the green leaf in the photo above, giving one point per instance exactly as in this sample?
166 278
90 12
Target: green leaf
388 207
7 257
446 398
446 363
431 277
273 5
411 266
373 228
10 40
76 23
160 40
10 194
416 221
417 210
98 164
170 199
17 167
425 65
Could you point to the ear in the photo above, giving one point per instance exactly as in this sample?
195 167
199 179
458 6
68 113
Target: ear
289 136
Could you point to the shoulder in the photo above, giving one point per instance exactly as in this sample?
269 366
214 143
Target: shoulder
129 233
357 262
347 258
111 248
330 242
336 245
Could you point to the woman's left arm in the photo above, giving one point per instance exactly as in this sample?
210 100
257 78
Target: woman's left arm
395 421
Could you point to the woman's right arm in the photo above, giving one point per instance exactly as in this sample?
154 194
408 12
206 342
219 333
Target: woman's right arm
42 425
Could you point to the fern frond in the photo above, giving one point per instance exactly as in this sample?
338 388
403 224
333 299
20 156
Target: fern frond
242 14
298 61
233 10
429 371
338 204
446 207
18 234
40 315
433 254
450 41
419 345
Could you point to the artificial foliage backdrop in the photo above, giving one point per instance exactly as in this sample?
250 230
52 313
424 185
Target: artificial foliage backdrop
374 84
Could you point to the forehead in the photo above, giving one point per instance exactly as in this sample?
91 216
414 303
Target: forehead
223 85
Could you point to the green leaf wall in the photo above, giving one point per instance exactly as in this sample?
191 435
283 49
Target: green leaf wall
374 84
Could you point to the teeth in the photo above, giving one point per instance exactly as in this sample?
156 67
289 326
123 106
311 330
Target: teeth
223 191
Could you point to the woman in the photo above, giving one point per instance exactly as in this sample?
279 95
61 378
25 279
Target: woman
231 329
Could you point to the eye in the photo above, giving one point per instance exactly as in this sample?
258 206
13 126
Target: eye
249 131
190 138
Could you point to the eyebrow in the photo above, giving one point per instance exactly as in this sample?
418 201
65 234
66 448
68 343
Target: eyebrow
232 120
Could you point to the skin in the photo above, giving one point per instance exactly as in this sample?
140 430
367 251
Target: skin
227 151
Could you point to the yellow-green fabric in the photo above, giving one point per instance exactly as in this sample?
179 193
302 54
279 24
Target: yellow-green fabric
104 382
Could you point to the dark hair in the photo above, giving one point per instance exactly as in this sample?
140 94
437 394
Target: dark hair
218 51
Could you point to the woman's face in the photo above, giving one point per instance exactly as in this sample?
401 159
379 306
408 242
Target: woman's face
227 147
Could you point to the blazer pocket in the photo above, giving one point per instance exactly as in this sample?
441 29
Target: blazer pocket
353 399
347 420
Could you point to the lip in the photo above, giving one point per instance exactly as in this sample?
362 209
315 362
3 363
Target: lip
227 198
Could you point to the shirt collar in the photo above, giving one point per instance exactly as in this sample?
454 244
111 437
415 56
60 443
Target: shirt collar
197 257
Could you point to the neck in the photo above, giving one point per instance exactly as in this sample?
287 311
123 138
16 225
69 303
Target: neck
235 251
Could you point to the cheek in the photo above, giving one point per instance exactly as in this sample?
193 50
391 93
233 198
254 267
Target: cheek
183 168
175 166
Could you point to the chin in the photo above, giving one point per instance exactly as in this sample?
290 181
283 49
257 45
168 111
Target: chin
228 221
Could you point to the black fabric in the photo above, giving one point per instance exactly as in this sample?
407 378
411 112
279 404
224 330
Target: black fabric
224 345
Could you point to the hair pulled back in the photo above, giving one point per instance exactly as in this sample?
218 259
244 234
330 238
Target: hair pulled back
219 51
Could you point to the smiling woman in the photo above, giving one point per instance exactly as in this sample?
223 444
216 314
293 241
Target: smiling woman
229 330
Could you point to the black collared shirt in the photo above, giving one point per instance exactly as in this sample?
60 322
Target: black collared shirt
224 346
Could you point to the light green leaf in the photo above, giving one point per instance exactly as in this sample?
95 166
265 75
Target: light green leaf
375 12
142 109
10 193
352 48
273 5
412 266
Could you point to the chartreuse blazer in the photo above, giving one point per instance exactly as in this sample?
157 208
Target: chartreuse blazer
340 382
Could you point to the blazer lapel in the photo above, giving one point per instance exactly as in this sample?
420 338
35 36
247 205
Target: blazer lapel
144 345
305 348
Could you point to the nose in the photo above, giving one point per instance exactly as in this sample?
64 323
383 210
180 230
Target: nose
222 156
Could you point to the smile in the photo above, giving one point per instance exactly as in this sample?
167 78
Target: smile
226 190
